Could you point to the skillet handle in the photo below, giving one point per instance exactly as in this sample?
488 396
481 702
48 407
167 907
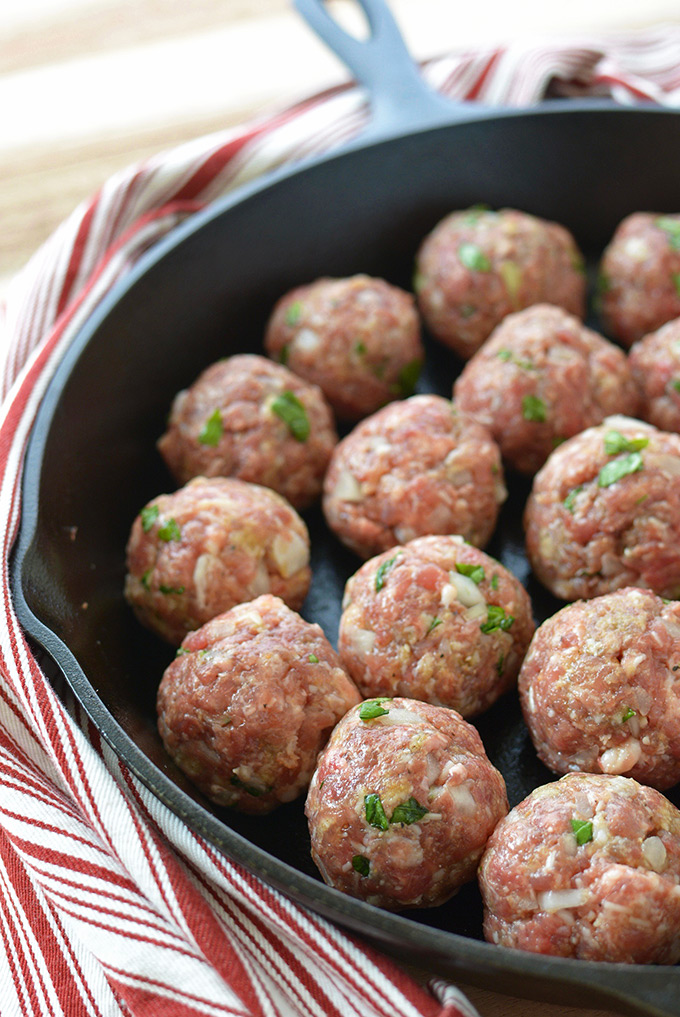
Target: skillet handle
398 95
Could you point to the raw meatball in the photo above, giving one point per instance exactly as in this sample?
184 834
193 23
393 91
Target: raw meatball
248 418
212 544
640 276
436 620
477 266
604 512
655 363
402 803
415 467
600 687
358 339
250 701
587 867
543 377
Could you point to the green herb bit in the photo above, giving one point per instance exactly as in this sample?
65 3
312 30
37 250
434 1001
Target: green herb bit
473 572
212 430
496 619
284 354
149 515
494 581
313 659
467 310
511 274
474 258
504 355
360 348
288 407
294 313
408 378
361 864
146 579
570 501
182 651
675 276
474 214
381 573
615 442
619 468
419 281
500 665
671 228
534 409
170 531
629 712
408 812
249 789
375 813
170 589
433 625
675 384
603 284
372 708
582 830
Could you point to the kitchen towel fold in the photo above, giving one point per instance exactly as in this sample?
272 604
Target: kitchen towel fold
108 904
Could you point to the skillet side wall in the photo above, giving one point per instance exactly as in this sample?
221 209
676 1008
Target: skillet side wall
206 294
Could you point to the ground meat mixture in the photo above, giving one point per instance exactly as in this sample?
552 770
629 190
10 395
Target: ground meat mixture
477 266
402 803
249 702
358 339
640 276
600 687
604 512
416 467
214 543
540 378
586 867
655 363
246 417
436 620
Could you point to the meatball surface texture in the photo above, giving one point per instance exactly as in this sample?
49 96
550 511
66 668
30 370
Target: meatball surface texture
416 467
248 418
587 867
436 620
477 266
358 339
402 803
214 543
604 512
600 687
639 276
541 377
250 701
655 363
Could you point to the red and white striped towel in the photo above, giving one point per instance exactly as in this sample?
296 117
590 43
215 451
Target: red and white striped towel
108 904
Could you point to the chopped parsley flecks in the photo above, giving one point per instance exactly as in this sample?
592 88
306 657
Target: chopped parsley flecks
473 572
534 409
212 430
372 708
511 274
671 227
145 579
360 348
181 651
494 581
473 257
578 262
375 813
496 619
570 501
419 281
284 354
313 659
467 310
361 864
615 442
628 713
582 830
500 665
171 589
288 407
603 284
169 531
293 313
619 468
675 384
249 789
507 356
433 625
381 573
408 378
408 812
473 214
675 276
149 515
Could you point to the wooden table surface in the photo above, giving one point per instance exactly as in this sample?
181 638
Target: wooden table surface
90 86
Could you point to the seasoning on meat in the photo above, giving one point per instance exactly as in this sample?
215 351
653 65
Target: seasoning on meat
416 467
477 266
604 512
446 624
358 339
655 363
250 701
248 418
543 377
213 544
401 805
600 687
586 867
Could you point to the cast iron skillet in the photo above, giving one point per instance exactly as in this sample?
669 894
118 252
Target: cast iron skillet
206 292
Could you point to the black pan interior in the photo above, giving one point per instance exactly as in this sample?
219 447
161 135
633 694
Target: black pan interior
206 293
